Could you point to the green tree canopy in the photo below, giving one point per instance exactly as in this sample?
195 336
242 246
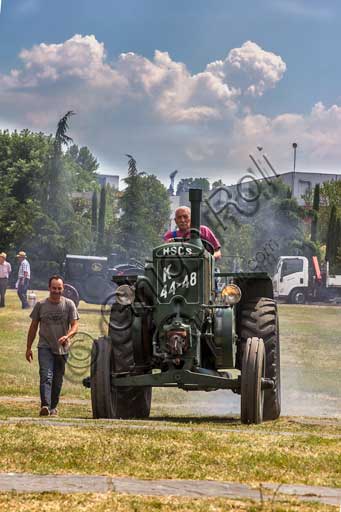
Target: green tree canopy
36 211
186 183
255 233
145 213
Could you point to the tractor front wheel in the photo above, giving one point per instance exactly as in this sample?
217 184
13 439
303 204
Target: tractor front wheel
253 370
106 400
259 318
102 397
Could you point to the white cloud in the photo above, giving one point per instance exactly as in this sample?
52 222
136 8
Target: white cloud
318 136
250 68
160 112
80 58
176 94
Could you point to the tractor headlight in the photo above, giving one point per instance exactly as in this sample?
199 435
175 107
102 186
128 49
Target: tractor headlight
231 294
125 294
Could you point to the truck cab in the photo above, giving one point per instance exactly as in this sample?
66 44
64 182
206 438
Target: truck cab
291 279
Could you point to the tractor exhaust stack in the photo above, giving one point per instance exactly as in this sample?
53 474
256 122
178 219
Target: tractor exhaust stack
195 197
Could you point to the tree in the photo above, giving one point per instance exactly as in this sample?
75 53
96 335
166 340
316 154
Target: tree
131 224
80 180
94 212
217 183
331 245
316 207
23 168
61 137
58 203
27 220
330 195
101 220
111 241
257 232
145 212
186 183
84 166
338 246
87 160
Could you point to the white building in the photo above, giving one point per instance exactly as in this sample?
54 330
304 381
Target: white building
302 183
108 179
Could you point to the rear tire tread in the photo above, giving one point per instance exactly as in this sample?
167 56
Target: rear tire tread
259 318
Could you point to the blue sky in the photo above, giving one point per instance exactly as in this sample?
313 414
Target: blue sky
294 43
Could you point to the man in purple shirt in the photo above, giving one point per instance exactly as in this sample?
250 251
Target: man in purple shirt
183 222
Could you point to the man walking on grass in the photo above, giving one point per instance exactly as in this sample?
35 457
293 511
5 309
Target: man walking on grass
24 276
58 318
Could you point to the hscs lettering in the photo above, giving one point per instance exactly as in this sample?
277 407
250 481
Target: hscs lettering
177 250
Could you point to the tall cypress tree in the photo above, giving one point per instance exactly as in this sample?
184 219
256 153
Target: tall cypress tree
337 250
316 207
132 222
94 212
101 218
58 203
331 237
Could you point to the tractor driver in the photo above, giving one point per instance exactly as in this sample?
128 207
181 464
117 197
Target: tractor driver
183 222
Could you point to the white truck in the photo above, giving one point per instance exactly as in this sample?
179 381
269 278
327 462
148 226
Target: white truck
298 280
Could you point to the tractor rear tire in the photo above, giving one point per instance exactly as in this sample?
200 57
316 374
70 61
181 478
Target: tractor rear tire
253 370
133 401
259 318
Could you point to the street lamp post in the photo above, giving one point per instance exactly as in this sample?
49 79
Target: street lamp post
294 145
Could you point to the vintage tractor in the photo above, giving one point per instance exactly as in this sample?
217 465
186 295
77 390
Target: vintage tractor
175 326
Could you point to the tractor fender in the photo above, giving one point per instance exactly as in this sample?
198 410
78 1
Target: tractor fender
224 338
254 286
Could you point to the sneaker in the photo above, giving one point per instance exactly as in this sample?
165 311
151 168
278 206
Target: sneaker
54 412
44 411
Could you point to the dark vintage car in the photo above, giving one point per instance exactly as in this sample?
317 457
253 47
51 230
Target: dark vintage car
89 278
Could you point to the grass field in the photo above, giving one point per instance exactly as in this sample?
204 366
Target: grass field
182 440
49 502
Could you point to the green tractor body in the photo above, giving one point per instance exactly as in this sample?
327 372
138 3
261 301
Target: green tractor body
177 326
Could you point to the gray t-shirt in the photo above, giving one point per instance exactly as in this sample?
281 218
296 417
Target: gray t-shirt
55 319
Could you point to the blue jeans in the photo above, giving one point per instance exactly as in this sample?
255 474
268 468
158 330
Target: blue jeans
22 292
51 372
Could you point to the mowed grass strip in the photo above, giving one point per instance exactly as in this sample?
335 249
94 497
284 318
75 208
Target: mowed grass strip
31 409
243 457
81 413
49 502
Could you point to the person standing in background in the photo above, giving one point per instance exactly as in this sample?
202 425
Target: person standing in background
5 270
24 276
